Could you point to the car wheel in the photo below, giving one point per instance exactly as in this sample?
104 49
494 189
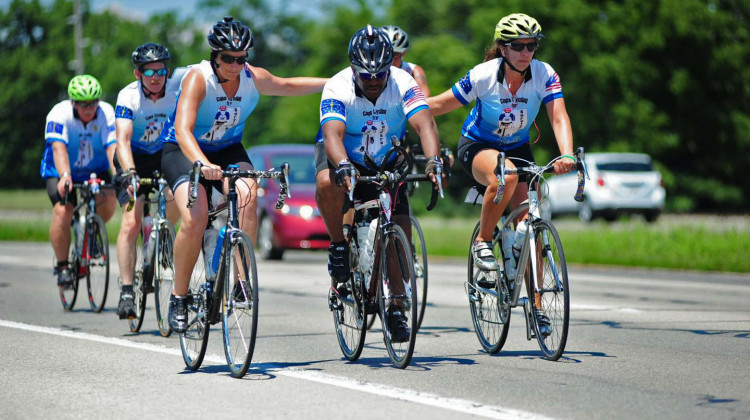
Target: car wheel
265 240
651 215
585 213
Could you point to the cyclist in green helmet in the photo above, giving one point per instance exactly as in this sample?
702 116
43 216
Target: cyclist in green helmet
80 140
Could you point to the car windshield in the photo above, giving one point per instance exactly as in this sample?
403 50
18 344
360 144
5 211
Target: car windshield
302 167
625 166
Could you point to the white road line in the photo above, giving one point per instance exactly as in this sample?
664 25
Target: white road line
433 400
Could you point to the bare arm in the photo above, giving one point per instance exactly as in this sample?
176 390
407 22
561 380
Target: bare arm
110 157
558 117
333 137
268 84
423 123
443 103
421 78
62 164
124 130
193 93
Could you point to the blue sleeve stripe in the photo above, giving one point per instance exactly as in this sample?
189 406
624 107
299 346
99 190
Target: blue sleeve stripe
417 109
332 119
552 97
458 96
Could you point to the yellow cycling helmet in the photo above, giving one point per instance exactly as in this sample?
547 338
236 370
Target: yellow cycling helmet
517 26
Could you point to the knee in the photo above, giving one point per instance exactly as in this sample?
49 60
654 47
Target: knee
129 227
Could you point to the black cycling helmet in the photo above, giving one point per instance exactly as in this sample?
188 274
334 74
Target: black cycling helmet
230 35
370 50
150 53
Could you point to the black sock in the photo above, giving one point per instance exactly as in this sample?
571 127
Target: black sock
127 290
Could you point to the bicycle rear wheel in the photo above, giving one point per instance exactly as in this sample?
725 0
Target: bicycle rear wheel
555 295
194 340
163 264
96 256
239 307
490 314
347 302
139 283
400 268
420 265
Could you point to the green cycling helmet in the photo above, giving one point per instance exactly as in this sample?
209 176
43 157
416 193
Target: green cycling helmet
517 26
84 88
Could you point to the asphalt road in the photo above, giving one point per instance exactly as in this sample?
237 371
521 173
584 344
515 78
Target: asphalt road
642 344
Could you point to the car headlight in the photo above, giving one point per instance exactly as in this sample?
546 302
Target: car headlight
305 211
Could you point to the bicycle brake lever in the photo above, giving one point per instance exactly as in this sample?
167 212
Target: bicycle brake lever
500 174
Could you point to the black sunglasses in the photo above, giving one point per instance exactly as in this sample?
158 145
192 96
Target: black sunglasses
87 104
151 72
368 76
519 46
229 59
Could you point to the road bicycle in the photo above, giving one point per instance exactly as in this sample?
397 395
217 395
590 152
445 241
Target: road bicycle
418 245
540 266
224 286
89 247
395 287
154 263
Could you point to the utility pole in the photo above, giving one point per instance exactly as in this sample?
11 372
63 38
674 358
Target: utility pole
78 36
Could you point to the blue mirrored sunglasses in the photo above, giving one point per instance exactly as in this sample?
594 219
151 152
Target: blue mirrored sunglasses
151 72
369 76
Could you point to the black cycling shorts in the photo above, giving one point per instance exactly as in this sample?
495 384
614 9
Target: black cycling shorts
176 167
145 166
54 196
468 150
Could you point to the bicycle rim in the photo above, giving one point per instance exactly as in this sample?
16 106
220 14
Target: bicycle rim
491 319
163 264
420 266
68 294
397 246
194 340
555 296
347 302
96 256
239 305
139 298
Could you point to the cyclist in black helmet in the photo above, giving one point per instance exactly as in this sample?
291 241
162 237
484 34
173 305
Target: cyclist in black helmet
216 98
142 109
363 109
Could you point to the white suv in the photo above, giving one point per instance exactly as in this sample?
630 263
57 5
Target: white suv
620 183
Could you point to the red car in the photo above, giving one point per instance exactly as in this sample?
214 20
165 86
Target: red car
298 225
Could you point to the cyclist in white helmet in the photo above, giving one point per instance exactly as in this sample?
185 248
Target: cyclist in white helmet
509 88
141 111
400 40
80 140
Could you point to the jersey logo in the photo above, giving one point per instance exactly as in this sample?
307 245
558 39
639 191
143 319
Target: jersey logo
53 127
123 112
332 105
465 83
553 83
412 96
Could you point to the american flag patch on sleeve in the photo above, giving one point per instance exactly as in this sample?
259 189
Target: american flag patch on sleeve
413 95
553 83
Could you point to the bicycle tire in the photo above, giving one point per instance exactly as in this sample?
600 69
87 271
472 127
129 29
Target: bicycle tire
397 242
239 304
420 266
491 321
139 292
96 256
68 295
194 340
349 317
163 263
555 297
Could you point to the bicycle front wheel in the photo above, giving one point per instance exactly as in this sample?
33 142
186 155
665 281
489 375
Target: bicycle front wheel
239 304
397 292
555 294
194 340
420 265
96 257
163 264
490 312
347 302
139 283
68 294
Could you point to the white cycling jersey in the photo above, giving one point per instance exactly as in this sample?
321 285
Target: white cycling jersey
148 116
220 120
371 127
498 117
87 143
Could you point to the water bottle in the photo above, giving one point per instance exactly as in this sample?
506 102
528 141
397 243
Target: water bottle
148 235
518 238
364 259
79 221
509 261
209 246
369 246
